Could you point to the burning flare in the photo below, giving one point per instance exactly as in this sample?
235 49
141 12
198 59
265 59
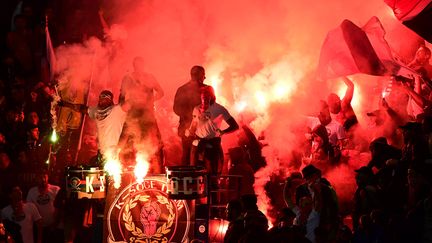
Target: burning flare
141 167
113 166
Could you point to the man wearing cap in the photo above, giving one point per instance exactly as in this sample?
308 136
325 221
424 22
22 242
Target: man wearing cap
324 199
109 120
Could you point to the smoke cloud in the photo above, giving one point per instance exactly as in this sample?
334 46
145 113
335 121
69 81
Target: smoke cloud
260 56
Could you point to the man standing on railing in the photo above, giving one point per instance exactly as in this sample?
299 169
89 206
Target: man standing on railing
109 120
141 90
186 98
206 127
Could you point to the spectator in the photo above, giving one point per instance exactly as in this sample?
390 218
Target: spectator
24 214
324 199
43 196
415 150
365 197
366 232
283 230
235 217
341 110
307 216
381 152
187 97
140 90
240 167
255 222
206 129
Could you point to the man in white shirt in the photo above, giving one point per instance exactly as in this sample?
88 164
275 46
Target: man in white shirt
109 120
206 126
23 214
43 196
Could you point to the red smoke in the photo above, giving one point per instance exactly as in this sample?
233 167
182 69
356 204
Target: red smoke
260 56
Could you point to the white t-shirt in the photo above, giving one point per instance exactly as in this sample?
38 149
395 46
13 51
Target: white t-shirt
44 202
30 216
335 132
110 128
312 122
209 121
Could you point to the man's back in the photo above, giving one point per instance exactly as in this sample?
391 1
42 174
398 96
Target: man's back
186 98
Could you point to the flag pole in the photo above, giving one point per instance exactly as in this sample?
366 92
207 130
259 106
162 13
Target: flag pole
55 98
83 119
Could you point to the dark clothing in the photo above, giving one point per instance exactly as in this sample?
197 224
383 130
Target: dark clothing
286 234
235 231
255 220
350 122
7 181
383 153
252 147
329 209
14 230
208 153
415 153
365 200
186 98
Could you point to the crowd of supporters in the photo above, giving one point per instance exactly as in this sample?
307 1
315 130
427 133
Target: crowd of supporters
392 201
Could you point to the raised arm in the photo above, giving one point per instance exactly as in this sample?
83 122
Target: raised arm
124 84
418 99
349 93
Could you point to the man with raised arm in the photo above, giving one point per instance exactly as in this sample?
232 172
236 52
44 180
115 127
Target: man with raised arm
341 110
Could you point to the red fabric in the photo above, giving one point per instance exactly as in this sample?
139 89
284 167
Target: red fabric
335 58
407 8
347 50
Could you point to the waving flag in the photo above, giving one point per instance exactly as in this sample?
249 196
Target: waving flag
414 14
50 55
347 50
350 49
